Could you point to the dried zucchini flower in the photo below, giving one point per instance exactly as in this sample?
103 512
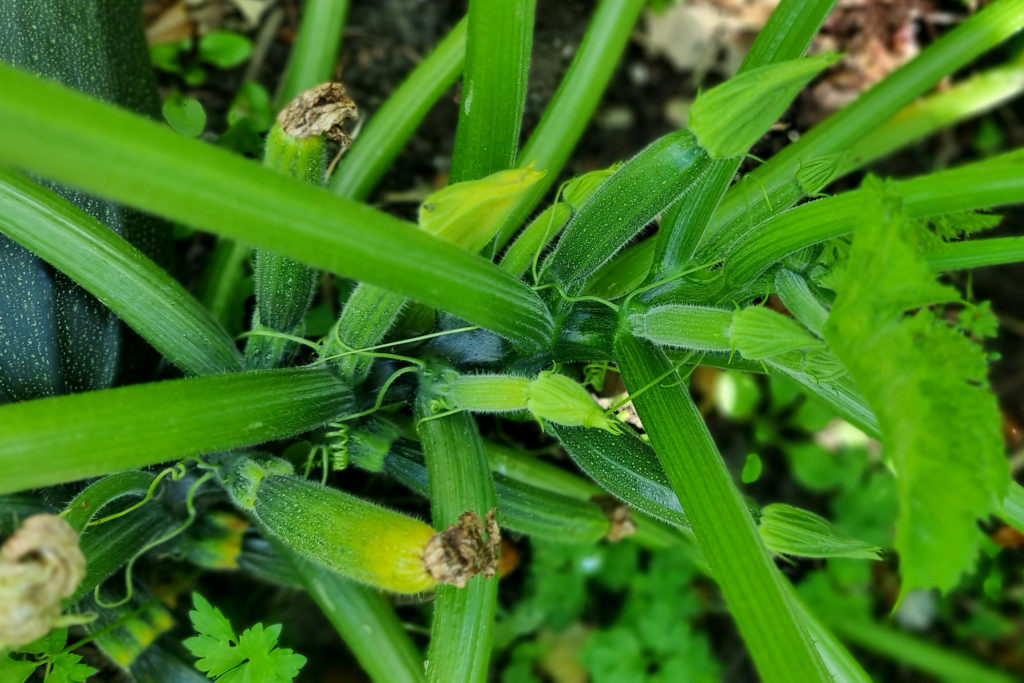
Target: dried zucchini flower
40 564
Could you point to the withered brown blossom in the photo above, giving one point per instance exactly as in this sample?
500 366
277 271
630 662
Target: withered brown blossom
40 564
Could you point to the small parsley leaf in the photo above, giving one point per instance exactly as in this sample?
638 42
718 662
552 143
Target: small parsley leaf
16 670
253 656
67 668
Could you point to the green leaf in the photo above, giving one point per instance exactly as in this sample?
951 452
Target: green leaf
50 644
615 656
731 117
165 56
751 469
16 670
209 620
274 663
252 102
468 213
67 668
792 531
928 386
224 48
253 656
185 115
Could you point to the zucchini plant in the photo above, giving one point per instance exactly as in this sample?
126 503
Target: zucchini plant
134 426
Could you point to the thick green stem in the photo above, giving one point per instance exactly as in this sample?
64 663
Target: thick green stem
500 37
981 185
970 97
315 53
462 629
916 652
994 251
756 593
570 109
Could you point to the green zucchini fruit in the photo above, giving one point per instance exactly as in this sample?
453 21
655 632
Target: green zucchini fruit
368 314
284 287
56 337
351 536
622 205
29 367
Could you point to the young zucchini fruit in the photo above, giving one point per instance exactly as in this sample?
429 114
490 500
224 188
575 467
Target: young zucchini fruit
550 222
296 147
622 205
356 538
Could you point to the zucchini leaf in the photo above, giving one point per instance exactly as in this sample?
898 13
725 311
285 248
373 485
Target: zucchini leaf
926 382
